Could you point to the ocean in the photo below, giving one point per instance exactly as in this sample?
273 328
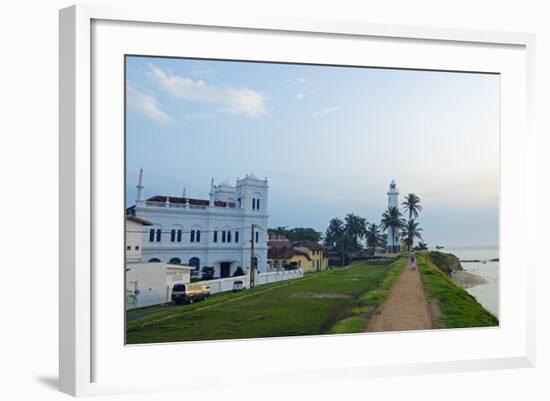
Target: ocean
486 294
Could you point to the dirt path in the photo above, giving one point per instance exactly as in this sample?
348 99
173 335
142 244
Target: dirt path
406 307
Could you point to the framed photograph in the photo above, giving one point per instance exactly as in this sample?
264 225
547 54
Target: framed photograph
273 197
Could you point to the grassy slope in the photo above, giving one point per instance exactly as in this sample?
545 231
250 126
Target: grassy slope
443 260
306 306
367 303
458 308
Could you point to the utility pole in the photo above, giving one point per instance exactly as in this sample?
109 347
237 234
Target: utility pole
252 272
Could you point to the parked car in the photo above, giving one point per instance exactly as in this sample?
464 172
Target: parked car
238 285
189 293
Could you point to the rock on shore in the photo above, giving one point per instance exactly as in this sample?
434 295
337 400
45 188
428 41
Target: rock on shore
446 262
465 279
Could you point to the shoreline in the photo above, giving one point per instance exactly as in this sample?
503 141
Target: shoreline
465 279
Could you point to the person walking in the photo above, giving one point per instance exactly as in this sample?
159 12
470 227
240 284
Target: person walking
412 261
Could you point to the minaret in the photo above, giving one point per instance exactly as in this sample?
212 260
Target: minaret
394 241
212 192
140 187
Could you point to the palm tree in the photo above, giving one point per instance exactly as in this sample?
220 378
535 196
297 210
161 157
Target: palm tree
410 231
355 230
411 205
392 221
374 237
334 237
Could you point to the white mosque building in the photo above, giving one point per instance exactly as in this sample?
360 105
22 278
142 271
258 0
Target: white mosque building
213 232
394 236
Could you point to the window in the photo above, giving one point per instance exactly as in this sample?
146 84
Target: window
152 235
229 236
240 203
258 204
175 261
179 235
137 247
154 260
223 236
236 236
173 236
195 262
129 248
215 236
257 236
192 235
198 235
253 203
158 235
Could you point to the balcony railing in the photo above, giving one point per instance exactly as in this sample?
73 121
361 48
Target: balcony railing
175 205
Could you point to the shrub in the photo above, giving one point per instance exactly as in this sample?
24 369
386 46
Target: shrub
238 272
207 273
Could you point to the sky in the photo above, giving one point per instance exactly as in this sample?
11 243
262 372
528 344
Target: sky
328 138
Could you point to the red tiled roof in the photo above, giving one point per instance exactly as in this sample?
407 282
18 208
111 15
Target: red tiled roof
283 250
279 244
280 253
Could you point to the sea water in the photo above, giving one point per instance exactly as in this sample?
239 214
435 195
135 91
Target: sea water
486 294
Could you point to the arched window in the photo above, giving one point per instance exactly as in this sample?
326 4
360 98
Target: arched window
175 261
195 262
175 233
154 260
195 234
256 201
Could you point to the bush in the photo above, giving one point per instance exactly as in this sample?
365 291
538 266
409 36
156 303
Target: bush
238 272
207 273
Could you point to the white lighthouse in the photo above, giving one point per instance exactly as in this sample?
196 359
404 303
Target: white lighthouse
394 240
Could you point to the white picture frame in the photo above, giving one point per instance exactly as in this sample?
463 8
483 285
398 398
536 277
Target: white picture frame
85 352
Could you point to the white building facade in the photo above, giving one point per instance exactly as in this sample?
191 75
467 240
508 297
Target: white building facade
214 232
394 236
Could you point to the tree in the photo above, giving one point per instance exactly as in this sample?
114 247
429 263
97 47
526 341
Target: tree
207 273
303 234
298 233
334 237
392 219
374 237
410 231
238 272
411 205
422 246
354 231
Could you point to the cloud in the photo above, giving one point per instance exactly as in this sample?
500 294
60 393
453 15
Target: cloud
198 116
296 80
236 101
198 71
300 96
327 110
147 105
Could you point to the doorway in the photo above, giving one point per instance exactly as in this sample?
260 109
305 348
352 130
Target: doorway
225 269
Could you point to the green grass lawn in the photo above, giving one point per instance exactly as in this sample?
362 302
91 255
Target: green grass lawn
307 306
458 308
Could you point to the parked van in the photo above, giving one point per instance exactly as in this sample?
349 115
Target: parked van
189 293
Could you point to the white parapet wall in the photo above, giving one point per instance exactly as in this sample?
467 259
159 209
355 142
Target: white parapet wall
151 284
226 284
